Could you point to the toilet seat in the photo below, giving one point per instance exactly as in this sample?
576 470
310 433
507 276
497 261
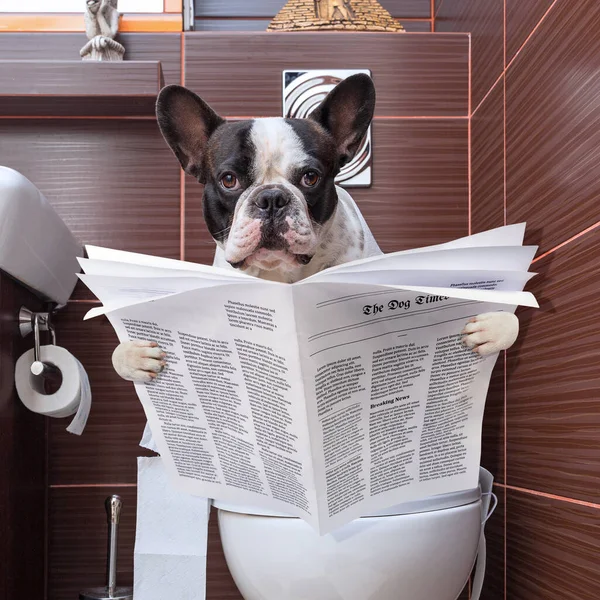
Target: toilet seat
433 503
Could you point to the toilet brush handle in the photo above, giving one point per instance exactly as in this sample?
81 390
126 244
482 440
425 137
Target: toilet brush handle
113 512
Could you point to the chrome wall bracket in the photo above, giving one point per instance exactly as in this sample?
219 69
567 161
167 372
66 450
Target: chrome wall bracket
35 322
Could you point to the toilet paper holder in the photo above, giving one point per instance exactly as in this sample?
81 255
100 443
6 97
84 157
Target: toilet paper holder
35 322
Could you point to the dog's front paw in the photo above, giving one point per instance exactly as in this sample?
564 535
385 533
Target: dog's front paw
490 333
138 361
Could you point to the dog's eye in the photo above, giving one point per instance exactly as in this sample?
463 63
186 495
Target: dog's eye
310 178
229 181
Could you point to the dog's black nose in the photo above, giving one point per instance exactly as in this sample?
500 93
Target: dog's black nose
271 200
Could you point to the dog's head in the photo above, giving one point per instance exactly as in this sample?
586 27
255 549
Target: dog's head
268 183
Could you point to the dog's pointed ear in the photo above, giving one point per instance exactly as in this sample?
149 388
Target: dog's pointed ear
346 114
187 123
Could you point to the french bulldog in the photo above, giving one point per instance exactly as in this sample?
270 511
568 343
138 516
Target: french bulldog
270 201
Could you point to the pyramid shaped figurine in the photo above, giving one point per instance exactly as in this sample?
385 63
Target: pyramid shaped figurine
351 15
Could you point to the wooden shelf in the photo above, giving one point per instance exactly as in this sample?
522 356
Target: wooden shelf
79 88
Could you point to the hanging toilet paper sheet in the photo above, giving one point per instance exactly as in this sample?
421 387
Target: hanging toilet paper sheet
171 538
73 397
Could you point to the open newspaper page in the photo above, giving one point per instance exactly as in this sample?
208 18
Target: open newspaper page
395 401
228 414
345 393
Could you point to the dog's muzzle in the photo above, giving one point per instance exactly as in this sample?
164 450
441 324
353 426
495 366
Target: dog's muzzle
272 230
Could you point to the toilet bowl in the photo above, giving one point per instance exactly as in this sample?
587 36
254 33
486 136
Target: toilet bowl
421 550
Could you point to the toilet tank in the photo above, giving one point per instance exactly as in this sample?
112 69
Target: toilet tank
36 247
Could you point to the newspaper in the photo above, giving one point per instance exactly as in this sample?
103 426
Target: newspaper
327 399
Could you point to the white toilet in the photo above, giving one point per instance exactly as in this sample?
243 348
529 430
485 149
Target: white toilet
414 551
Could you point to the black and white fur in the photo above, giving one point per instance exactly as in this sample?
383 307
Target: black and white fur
270 201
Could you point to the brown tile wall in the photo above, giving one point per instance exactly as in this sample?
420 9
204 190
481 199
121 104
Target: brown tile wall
115 183
534 139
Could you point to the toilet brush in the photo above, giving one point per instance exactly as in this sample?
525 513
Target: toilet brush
110 591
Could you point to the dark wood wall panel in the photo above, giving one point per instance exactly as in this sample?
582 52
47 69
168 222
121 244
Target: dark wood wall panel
227 24
82 88
415 75
199 245
231 24
487 212
553 414
419 194
420 189
268 8
493 587
80 78
552 549
23 459
483 19
552 421
111 181
521 18
492 446
487 168
165 47
76 87
219 583
106 453
552 131
417 26
78 534
80 107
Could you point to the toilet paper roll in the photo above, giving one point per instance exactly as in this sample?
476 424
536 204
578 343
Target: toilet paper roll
73 397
